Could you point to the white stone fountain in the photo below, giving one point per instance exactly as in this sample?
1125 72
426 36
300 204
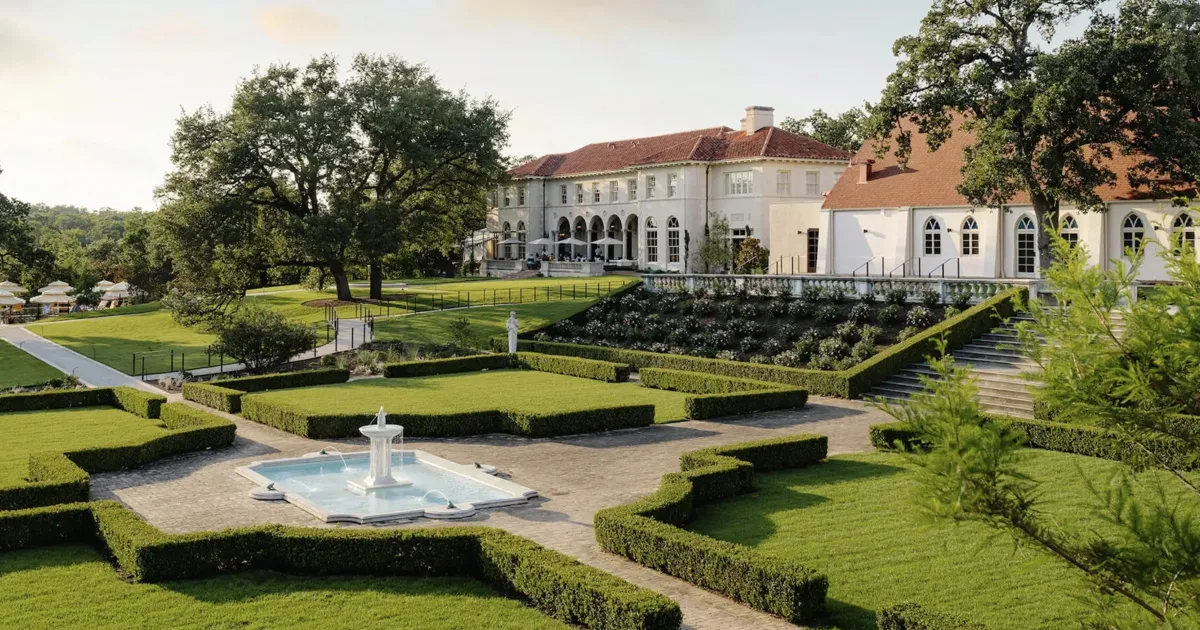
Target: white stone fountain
379 475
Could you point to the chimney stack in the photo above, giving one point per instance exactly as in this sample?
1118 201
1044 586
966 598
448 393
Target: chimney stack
758 117
864 169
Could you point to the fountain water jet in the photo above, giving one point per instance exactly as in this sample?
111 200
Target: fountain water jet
380 476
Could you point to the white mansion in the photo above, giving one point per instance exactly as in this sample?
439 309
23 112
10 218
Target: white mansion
644 202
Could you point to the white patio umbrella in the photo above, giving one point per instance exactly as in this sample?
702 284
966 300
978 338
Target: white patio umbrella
58 286
570 241
541 241
608 240
8 299
512 241
12 287
53 296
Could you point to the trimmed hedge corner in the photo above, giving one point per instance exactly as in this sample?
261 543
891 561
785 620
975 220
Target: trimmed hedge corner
720 396
852 383
911 616
138 402
606 371
410 369
650 532
226 394
56 399
555 584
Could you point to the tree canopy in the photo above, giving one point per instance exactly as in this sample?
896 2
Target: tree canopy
844 131
308 169
1047 119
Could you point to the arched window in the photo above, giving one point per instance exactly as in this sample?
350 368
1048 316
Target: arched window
1069 230
1184 230
933 237
505 234
1133 231
651 240
970 237
1026 246
672 240
521 237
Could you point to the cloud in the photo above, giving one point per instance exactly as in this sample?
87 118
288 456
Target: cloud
21 51
293 24
593 17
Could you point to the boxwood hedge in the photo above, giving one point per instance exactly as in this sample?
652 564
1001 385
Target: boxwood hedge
852 383
409 369
911 616
557 585
56 477
226 394
138 402
62 399
650 532
606 371
721 396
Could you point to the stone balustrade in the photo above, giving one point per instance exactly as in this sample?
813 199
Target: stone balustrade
979 289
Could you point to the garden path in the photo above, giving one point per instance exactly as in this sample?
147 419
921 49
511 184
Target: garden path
575 476
87 370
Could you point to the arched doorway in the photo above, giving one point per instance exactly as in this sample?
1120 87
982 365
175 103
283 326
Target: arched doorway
631 238
595 233
505 234
614 232
580 235
564 232
521 237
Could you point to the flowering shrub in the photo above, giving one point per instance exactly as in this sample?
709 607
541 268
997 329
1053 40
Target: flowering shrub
920 317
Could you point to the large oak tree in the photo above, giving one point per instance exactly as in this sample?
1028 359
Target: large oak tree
1047 116
308 168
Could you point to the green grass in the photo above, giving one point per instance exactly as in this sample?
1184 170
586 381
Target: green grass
35 431
74 587
477 391
133 309
21 369
112 341
486 322
854 519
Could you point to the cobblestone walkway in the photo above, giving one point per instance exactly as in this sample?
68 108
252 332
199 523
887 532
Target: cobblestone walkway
575 476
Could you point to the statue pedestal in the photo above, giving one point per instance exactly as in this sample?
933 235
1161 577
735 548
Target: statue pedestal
380 473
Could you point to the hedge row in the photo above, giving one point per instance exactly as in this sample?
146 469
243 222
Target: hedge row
138 402
56 399
910 616
530 424
557 585
721 396
699 382
958 330
409 369
606 371
63 477
1079 439
650 532
226 394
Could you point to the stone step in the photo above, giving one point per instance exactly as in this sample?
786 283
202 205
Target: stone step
1001 349
912 382
986 360
996 376
995 408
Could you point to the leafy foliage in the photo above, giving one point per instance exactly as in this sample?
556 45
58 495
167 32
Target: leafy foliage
259 337
844 131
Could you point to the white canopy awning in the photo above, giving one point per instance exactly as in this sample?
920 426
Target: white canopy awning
12 287
608 240
512 241
541 241
53 297
57 286
8 299
571 241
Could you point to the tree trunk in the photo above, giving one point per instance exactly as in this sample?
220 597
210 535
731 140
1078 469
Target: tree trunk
376 280
338 271
1045 213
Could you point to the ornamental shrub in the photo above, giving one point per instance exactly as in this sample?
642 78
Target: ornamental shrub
772 347
960 300
907 332
860 313
259 337
789 332
749 310
846 331
723 339
704 306
826 314
930 298
890 314
863 350
801 308
727 309
920 317
949 313
790 358
778 307
896 296
748 345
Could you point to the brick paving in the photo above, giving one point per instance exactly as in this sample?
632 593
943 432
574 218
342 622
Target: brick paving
575 476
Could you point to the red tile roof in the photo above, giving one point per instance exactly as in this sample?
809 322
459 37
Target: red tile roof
701 145
932 177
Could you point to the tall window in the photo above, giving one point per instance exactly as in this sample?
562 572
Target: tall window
650 182
521 195
933 237
739 183
970 237
783 183
1184 230
521 236
672 240
578 193
613 187
1132 233
595 192
1069 230
814 237
505 234
507 197
633 190
562 191
1026 245
651 241
672 185
812 183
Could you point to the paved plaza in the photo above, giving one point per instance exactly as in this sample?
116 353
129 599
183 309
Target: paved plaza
576 476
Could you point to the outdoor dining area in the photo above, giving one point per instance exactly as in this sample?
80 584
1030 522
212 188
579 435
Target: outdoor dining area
571 251
57 298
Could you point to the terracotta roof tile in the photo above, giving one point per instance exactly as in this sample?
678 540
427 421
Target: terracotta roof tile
702 145
932 177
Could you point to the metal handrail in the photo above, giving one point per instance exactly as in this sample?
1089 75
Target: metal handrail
882 263
904 267
957 268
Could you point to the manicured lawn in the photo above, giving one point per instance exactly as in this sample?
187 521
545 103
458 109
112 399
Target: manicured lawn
113 340
854 519
132 309
64 430
19 368
74 587
486 322
477 391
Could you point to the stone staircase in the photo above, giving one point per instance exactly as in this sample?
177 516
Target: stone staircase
997 363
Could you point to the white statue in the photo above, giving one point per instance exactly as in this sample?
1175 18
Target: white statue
512 331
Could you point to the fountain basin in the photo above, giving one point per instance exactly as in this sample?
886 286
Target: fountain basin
319 484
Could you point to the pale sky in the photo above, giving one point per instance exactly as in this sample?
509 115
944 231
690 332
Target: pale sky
90 90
